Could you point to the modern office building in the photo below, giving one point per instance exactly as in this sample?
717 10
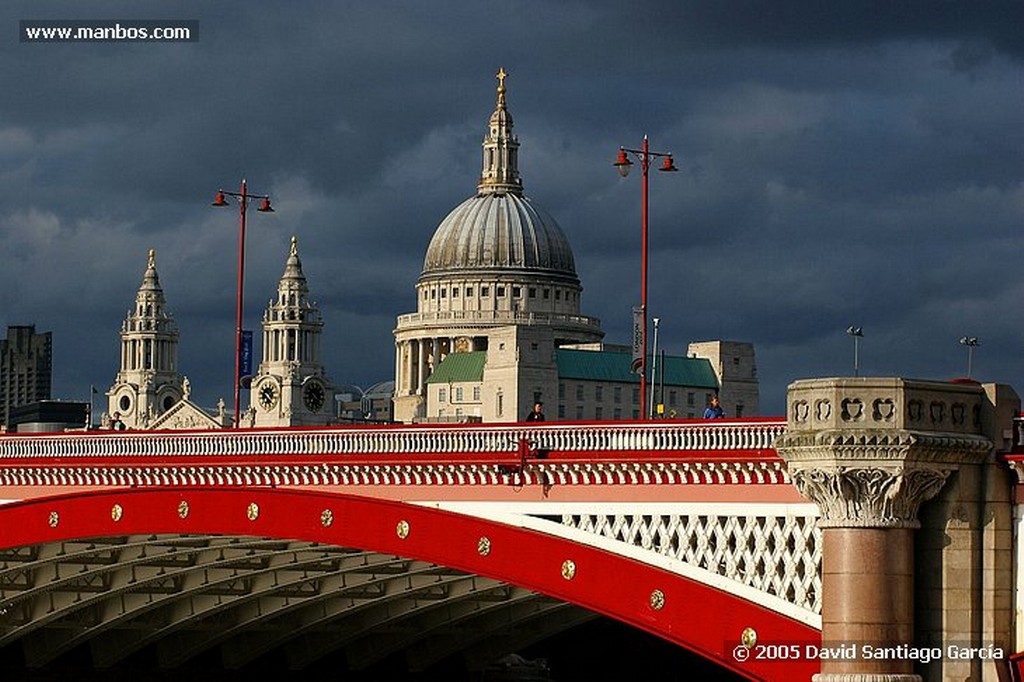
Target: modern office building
26 368
49 416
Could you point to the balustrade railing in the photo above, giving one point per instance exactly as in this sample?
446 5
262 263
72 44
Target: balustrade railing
489 317
613 440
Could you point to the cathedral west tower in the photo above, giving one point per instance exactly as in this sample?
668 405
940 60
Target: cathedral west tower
148 383
290 387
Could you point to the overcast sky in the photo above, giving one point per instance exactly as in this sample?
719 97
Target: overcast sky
853 163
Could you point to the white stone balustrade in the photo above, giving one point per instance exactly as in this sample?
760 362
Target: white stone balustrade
491 317
616 440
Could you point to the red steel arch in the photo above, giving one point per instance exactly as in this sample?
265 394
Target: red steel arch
690 614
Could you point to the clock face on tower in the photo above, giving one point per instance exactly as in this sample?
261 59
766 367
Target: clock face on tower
313 396
268 395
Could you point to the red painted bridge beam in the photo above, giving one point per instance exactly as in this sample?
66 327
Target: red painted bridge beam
690 614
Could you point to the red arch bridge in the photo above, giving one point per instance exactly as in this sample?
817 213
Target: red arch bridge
422 540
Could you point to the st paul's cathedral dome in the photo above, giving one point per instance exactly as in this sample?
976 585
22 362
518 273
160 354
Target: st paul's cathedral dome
495 264
499 229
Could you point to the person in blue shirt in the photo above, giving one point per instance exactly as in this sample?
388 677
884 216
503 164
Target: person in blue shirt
714 410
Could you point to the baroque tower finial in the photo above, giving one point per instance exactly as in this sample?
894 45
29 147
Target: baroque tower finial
295 246
501 76
152 259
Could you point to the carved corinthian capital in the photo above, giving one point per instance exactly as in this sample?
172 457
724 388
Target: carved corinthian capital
869 452
853 490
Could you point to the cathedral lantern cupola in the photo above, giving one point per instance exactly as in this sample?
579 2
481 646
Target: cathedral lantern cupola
501 150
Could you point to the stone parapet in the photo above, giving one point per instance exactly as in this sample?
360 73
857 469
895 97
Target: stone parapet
870 451
885 403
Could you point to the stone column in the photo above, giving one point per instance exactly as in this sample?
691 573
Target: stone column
412 366
399 376
421 365
869 452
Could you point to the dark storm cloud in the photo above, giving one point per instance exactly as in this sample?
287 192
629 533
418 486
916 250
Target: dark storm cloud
851 163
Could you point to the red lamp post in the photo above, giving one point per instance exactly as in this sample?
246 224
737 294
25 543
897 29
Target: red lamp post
243 198
644 156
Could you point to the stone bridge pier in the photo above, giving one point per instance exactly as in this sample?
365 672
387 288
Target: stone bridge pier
904 578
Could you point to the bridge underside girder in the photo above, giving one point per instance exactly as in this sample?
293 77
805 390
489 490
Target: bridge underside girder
254 596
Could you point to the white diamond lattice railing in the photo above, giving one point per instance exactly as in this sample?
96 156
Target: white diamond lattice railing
774 555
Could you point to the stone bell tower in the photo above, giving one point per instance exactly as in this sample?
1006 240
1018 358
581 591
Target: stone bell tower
290 387
148 383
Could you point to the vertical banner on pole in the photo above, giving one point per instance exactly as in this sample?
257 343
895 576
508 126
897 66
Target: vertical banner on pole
245 355
638 340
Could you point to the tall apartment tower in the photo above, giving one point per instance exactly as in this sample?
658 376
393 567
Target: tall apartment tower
26 368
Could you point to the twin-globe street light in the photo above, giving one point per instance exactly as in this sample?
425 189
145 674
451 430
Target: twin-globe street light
858 332
971 342
644 156
243 198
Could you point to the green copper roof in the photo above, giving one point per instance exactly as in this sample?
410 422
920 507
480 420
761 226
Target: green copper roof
458 367
585 365
614 366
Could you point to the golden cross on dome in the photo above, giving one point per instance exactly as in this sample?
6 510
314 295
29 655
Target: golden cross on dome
501 77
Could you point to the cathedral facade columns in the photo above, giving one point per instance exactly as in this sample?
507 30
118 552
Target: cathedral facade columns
870 452
408 367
